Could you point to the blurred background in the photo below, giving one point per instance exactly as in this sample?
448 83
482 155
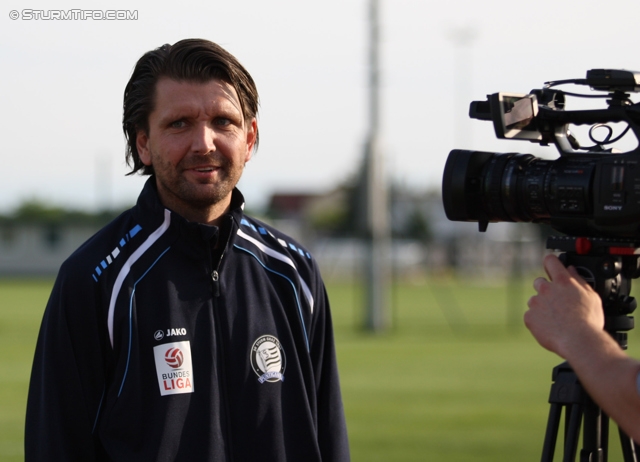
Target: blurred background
452 357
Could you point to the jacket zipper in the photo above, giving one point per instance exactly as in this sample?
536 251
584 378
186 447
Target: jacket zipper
215 274
215 278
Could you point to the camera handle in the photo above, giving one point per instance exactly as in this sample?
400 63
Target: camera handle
608 265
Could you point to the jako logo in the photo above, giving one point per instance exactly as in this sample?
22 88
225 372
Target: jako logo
174 357
174 332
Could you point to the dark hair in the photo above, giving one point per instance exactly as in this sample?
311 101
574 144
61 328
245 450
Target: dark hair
194 60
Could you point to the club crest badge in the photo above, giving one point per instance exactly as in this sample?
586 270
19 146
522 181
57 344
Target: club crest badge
267 359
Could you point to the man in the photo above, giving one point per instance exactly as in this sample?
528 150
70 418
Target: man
566 317
152 343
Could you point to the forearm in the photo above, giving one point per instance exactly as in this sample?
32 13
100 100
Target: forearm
609 376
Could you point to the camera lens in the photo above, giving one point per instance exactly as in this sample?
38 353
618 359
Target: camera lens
490 187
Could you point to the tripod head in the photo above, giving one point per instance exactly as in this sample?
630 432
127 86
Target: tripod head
608 265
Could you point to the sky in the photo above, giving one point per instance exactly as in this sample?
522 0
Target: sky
62 83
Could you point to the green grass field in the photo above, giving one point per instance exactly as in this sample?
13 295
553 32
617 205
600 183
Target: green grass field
457 377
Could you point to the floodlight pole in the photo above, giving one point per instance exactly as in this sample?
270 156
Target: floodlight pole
376 210
462 39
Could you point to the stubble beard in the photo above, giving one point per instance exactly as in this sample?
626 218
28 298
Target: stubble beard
182 193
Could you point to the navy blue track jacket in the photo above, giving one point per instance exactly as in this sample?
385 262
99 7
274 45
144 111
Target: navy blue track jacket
165 340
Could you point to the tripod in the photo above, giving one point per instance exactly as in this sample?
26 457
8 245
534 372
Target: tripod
608 266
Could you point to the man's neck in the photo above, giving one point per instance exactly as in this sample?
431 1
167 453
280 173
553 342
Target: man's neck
210 214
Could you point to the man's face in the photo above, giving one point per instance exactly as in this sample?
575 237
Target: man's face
198 143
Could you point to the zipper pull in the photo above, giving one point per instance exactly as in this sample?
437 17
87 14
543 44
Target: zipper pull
215 276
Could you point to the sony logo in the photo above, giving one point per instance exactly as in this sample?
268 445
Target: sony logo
613 208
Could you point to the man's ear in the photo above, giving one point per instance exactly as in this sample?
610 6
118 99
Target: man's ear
252 135
142 143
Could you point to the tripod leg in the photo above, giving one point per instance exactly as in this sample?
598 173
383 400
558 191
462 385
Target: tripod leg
604 440
592 450
572 433
629 448
566 392
551 435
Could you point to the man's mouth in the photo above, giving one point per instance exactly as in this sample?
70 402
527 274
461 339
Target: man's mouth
206 168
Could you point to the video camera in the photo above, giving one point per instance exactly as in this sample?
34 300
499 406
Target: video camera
590 194
588 191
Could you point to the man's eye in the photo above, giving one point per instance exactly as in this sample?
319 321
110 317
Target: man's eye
222 121
177 124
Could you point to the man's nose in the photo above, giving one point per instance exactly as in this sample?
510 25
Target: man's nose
203 140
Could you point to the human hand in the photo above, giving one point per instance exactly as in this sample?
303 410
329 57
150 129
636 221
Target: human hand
564 309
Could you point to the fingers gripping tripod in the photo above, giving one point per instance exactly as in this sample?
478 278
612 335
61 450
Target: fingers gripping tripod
608 266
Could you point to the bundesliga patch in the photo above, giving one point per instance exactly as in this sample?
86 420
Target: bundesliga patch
267 359
174 369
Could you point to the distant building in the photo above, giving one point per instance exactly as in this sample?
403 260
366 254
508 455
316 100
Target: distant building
289 205
39 249
37 238
323 223
504 249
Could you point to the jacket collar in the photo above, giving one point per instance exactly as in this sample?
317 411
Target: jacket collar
150 211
